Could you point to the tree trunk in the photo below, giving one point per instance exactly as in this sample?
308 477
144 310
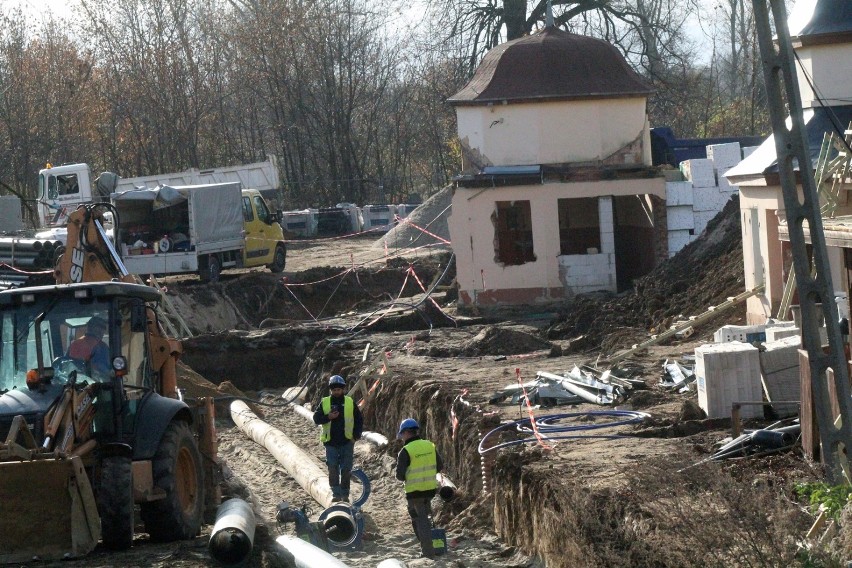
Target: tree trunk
515 17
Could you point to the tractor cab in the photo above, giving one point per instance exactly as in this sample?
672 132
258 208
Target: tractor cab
91 335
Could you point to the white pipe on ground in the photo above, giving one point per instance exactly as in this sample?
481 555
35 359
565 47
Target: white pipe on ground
232 537
391 563
306 555
302 467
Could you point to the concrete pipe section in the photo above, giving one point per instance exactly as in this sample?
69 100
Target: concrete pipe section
232 537
446 487
306 555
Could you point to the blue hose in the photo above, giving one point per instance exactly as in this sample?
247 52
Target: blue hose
546 425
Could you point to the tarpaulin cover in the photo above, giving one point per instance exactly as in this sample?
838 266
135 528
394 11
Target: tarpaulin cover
215 209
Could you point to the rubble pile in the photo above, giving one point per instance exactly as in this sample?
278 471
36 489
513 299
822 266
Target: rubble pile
704 273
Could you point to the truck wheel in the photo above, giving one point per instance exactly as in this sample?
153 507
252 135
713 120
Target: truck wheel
279 260
177 471
210 269
115 502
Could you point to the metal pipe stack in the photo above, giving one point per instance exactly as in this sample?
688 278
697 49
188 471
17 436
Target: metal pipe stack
26 253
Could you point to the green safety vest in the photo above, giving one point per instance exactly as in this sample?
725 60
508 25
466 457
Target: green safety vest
348 418
420 475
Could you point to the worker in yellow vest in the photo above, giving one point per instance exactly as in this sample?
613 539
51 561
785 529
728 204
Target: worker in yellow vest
417 465
342 425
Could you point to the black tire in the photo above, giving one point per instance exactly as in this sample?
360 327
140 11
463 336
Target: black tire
211 268
177 471
279 260
115 502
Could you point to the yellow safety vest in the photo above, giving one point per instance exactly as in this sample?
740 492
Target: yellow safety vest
348 418
420 475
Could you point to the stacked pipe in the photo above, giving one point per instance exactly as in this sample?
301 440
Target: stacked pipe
27 253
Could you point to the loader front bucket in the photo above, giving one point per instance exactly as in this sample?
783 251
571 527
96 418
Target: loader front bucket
47 510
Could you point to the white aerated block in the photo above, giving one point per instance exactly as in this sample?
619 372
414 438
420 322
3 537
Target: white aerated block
724 156
701 218
678 240
699 171
678 193
781 330
728 373
680 217
780 365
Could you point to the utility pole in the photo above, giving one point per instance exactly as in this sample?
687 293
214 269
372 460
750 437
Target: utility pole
791 147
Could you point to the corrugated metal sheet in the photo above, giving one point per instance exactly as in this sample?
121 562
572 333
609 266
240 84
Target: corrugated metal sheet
551 65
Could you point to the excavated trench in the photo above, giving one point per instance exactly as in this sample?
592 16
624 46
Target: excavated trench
639 501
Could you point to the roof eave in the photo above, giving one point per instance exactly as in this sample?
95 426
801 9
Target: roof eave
548 98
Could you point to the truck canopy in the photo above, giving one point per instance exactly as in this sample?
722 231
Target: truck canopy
216 214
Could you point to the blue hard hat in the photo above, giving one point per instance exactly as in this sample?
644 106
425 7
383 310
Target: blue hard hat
407 424
336 380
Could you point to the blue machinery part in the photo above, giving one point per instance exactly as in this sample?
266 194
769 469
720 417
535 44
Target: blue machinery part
339 527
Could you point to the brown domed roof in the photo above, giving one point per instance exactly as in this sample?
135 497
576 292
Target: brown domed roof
551 65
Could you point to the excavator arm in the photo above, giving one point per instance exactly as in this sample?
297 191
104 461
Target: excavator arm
89 255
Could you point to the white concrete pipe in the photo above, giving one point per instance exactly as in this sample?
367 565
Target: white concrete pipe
306 555
232 537
391 563
446 488
303 412
375 438
301 466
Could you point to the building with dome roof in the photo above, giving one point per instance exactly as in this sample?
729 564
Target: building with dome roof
557 194
821 35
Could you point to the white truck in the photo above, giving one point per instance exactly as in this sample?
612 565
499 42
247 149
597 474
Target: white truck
62 188
197 228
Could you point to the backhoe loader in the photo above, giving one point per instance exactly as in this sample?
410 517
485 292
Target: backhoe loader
82 444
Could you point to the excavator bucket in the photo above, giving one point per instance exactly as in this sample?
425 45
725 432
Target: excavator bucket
47 510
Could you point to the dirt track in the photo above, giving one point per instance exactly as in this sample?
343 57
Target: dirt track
582 502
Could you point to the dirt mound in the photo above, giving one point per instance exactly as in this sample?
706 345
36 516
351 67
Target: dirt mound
704 273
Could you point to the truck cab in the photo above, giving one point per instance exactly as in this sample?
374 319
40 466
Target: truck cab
60 190
264 235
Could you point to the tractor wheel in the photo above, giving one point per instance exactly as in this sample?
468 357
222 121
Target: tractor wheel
177 471
279 260
115 502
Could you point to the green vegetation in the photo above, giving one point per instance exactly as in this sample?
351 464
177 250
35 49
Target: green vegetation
832 498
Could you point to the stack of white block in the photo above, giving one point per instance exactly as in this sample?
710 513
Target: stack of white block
691 204
583 273
780 365
728 373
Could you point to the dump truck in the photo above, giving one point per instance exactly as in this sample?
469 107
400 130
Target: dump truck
95 440
197 228
61 189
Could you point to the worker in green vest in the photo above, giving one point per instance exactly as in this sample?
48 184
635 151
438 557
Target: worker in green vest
417 465
342 424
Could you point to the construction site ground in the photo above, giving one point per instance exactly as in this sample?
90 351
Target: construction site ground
641 499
